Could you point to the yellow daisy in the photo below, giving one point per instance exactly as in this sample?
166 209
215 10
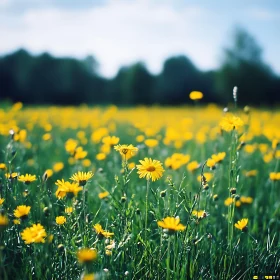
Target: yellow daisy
171 224
150 168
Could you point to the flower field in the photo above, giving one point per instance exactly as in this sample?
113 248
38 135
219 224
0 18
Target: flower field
139 193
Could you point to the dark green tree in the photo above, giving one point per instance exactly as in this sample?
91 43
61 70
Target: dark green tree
244 67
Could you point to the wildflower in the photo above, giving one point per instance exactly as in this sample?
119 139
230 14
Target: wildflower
2 200
208 176
100 156
218 158
11 176
246 199
3 220
86 255
88 276
251 173
16 221
200 214
171 224
58 166
274 176
151 143
101 232
126 151
22 211
80 153
3 166
196 95
176 161
68 210
71 145
34 234
140 138
47 136
86 163
81 177
192 166
151 169
103 195
211 163
48 173
229 201
67 188
27 178
231 122
60 220
242 224
111 140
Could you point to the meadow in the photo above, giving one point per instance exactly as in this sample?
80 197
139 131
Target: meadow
139 193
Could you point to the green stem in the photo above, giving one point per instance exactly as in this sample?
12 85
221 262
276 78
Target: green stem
146 213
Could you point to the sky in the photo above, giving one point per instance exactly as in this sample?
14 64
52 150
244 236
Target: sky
122 32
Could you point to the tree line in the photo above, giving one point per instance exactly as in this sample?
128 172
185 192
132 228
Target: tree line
45 79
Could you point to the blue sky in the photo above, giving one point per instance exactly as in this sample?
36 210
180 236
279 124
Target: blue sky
120 32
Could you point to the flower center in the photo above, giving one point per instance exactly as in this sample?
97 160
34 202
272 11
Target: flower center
151 168
124 151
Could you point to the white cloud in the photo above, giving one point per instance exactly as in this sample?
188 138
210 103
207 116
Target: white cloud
118 33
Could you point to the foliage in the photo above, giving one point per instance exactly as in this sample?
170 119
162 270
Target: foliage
195 220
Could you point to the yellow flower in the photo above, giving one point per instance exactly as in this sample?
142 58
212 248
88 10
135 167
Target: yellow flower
171 224
16 221
228 201
81 177
151 169
103 195
65 188
151 143
58 166
246 199
89 276
71 145
11 175
140 138
111 140
1 200
242 224
274 176
100 156
251 173
218 157
68 210
60 220
48 173
22 211
34 234
211 163
47 136
80 153
86 255
86 163
208 176
3 220
176 161
192 166
27 178
231 122
3 166
101 232
126 151
196 95
199 214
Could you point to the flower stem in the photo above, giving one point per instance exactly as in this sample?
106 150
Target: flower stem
146 213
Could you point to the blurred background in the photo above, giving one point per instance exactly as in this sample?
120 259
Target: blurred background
129 52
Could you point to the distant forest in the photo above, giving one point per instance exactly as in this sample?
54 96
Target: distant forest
45 79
